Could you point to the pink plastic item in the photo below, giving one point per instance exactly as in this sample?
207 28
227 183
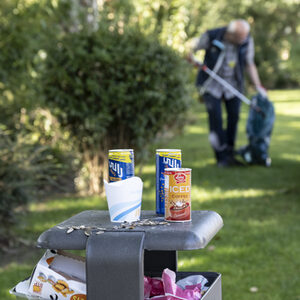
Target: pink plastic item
153 287
167 289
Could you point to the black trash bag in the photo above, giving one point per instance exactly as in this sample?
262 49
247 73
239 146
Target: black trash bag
259 129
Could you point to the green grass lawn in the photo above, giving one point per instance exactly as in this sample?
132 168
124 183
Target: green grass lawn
259 243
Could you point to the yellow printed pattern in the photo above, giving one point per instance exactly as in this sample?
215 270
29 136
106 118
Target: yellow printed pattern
111 179
121 156
232 64
174 155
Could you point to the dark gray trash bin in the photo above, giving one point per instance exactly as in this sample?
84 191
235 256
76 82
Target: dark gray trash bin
125 255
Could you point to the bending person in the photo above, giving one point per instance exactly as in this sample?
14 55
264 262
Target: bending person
228 52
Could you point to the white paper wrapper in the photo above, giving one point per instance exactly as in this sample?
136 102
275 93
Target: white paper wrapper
58 276
124 199
21 291
192 280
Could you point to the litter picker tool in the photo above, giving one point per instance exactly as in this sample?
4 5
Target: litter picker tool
228 86
259 124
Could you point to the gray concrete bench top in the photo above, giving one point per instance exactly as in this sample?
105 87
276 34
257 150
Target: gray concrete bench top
176 236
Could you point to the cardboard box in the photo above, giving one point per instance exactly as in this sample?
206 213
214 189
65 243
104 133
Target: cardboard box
57 276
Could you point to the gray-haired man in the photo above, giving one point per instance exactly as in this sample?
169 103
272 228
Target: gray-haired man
229 50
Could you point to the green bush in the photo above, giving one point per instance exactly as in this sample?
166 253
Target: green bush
34 154
15 178
114 89
27 169
35 160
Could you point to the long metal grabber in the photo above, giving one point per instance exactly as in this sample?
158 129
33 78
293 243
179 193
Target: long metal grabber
228 86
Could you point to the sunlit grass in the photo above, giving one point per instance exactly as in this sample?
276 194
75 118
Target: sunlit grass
195 130
259 243
71 203
291 157
206 194
149 169
284 95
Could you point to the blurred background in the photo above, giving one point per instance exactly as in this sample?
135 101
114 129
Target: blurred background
80 77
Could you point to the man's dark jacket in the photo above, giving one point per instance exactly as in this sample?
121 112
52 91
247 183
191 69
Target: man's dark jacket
216 36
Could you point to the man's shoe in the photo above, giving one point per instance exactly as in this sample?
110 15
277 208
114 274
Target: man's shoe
223 164
230 162
233 162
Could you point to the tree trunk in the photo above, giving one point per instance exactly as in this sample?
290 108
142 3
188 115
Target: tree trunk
85 13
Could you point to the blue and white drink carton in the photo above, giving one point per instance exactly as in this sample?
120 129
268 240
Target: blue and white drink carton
165 158
120 164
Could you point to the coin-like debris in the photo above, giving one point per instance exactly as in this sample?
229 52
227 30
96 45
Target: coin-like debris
87 233
81 227
253 289
70 230
211 248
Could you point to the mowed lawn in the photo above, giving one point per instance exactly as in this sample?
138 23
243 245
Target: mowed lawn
257 249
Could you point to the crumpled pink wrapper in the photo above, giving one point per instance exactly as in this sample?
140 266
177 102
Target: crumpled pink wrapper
167 289
153 287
